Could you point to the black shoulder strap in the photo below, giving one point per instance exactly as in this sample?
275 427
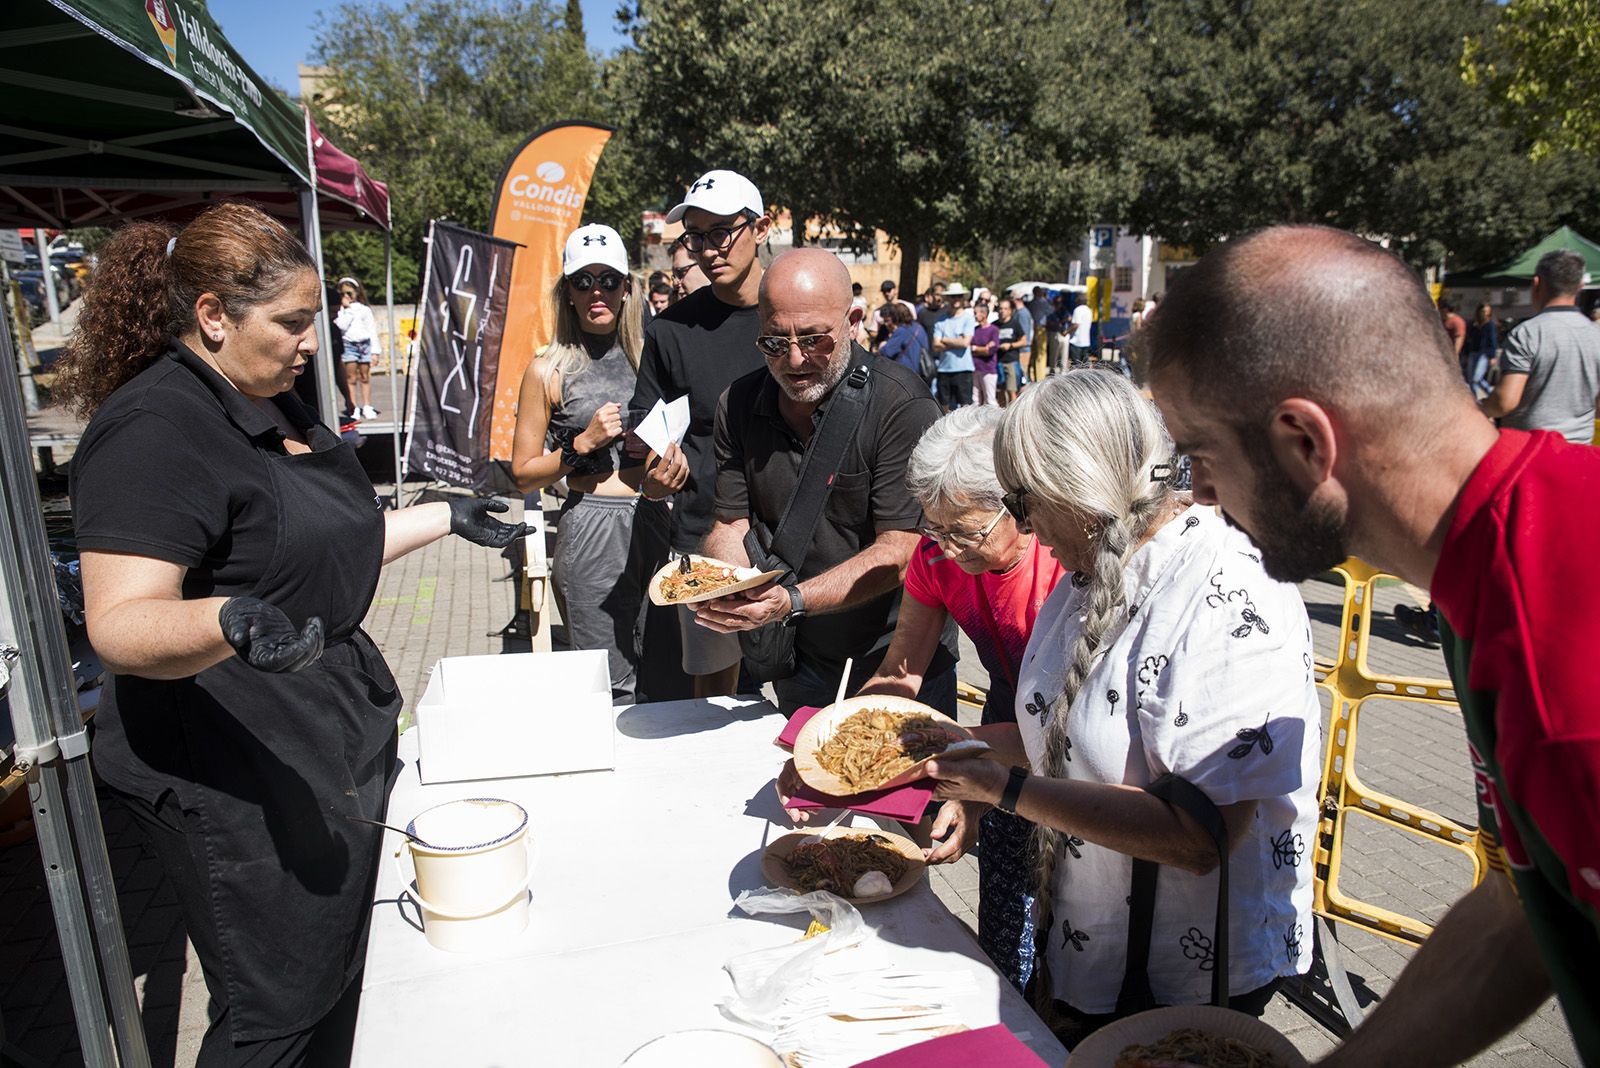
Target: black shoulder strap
792 537
1136 995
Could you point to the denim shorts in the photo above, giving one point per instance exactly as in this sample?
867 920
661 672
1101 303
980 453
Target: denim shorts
357 352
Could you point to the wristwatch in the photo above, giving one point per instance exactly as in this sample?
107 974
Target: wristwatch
1013 791
797 606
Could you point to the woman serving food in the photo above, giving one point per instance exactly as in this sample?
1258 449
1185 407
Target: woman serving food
231 546
1170 651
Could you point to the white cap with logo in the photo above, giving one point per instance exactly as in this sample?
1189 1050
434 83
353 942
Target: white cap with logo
720 193
595 243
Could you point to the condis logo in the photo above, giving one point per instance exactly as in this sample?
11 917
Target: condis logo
166 29
545 186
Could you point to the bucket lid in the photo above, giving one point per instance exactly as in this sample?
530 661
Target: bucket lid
469 824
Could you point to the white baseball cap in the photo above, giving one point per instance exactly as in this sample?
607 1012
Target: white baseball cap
595 243
720 193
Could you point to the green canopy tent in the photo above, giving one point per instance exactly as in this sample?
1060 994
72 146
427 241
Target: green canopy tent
1518 271
114 110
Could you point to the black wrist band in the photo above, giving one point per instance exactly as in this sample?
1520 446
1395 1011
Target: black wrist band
1013 791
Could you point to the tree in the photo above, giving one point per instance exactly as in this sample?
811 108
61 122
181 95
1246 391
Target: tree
1353 115
434 96
939 122
1541 63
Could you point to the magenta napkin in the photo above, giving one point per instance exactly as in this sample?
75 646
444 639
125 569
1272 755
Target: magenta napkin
904 803
992 1047
791 730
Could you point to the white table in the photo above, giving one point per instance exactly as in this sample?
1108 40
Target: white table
635 872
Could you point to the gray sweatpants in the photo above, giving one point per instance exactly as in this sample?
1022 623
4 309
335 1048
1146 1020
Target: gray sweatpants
606 550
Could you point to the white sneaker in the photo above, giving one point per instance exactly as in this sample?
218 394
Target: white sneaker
369 412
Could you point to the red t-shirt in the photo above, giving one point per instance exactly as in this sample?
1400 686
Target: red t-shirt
1518 585
1456 327
1014 598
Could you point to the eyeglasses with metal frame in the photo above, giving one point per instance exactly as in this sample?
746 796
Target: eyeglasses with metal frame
962 540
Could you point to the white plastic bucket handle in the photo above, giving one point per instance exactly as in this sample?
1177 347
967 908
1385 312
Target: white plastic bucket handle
407 890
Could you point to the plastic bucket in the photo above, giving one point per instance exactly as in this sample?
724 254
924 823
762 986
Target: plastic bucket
472 872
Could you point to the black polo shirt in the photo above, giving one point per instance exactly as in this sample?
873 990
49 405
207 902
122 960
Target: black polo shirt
758 463
697 347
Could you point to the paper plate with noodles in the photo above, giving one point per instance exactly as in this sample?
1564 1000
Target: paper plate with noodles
881 864
690 579
875 743
1201 1035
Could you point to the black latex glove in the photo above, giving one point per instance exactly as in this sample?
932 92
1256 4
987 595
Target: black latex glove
265 638
470 518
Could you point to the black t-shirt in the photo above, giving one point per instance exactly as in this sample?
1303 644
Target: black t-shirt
927 317
1009 332
697 346
758 464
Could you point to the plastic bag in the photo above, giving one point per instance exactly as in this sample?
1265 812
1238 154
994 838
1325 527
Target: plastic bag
764 979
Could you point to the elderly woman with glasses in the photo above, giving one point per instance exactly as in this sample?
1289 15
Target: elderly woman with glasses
610 538
1171 651
974 565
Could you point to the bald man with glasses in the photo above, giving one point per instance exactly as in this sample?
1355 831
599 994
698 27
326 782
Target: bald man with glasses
843 597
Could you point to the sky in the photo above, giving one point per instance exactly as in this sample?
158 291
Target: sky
273 37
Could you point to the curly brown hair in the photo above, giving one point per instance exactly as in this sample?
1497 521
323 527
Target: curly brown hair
142 294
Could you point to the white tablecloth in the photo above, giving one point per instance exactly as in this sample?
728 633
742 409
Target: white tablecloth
635 871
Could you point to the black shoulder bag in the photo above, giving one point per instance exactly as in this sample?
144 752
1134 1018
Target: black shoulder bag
769 651
1136 995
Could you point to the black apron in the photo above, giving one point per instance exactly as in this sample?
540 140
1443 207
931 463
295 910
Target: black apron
278 760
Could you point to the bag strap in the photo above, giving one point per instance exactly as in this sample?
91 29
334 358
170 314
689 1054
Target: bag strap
1136 995
792 536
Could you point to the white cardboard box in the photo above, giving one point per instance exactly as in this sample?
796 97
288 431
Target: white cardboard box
494 717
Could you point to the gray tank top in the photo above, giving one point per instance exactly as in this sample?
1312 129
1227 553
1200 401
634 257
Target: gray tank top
607 379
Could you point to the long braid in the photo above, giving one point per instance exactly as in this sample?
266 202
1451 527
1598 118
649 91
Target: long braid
1088 448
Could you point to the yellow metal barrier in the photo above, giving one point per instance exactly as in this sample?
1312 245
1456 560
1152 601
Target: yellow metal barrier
1352 683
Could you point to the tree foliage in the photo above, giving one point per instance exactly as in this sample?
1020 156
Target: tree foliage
434 96
1541 63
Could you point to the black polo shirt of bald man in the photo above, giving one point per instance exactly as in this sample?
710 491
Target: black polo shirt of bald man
758 464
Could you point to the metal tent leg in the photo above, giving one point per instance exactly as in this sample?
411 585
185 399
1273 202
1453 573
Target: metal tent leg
52 743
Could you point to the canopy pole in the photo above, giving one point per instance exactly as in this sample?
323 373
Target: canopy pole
422 314
53 744
329 407
397 415
52 302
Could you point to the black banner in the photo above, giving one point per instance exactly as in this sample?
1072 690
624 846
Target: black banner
463 319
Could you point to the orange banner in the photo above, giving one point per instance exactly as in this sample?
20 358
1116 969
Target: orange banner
539 203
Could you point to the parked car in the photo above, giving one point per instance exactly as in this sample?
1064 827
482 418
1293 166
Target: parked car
33 295
75 266
63 291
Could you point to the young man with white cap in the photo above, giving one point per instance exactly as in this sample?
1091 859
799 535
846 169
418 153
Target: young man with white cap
697 347
609 539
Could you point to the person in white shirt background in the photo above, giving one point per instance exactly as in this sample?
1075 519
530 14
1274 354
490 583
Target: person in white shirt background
1169 651
1078 339
360 330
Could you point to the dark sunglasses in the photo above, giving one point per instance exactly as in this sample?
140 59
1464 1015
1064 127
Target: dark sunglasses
776 346
718 238
583 281
1016 502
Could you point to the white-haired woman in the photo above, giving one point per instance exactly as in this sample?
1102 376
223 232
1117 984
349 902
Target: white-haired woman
610 539
976 566
1170 651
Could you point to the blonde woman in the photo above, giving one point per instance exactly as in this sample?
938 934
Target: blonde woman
1170 651
570 410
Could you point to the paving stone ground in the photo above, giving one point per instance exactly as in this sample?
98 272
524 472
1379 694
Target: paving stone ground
450 598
